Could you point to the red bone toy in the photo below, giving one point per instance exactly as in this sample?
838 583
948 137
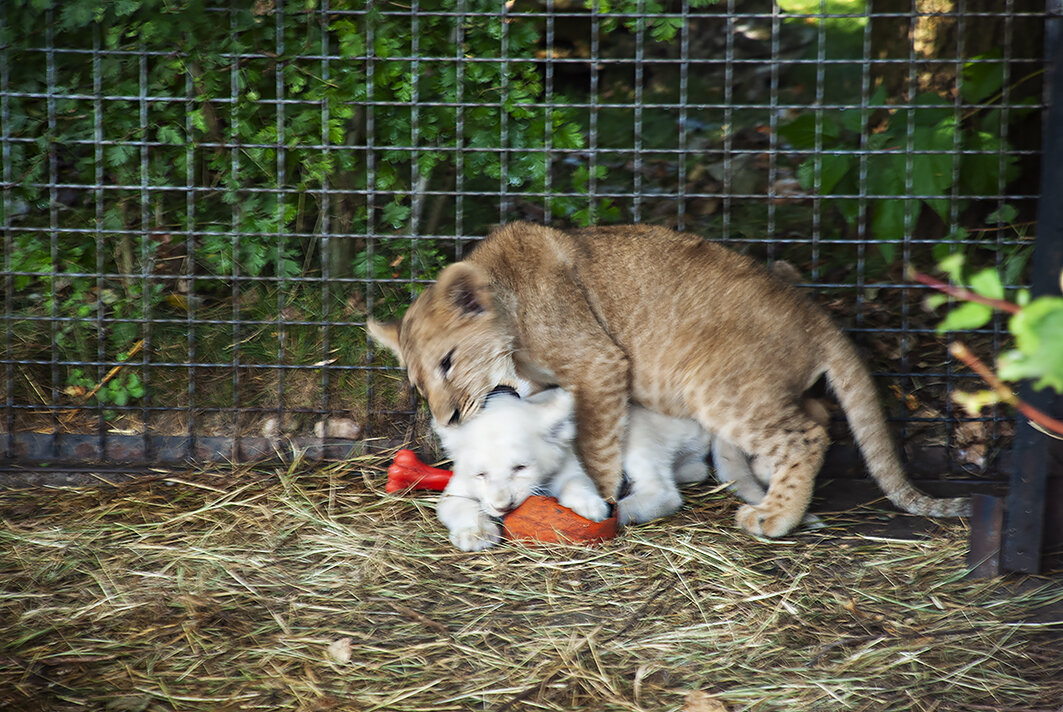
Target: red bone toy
538 518
407 471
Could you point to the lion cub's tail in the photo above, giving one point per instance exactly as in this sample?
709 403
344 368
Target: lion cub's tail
851 383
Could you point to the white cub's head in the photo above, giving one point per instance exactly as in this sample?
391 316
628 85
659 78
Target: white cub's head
512 447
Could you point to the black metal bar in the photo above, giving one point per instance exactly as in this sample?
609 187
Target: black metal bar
1026 504
987 518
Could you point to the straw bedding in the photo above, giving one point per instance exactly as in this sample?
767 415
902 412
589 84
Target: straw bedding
305 587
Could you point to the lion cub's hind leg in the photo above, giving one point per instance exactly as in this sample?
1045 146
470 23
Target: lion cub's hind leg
659 453
735 469
794 443
692 465
749 477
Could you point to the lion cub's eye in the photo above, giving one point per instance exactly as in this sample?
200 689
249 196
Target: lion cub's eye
447 363
481 475
517 469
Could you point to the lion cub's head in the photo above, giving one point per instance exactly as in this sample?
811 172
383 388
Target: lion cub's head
454 342
513 447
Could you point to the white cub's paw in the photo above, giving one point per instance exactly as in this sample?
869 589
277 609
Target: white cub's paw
811 521
636 509
476 538
586 504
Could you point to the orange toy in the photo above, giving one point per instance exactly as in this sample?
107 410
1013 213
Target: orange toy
544 519
539 518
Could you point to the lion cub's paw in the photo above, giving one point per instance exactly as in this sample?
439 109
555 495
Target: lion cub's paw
586 504
756 521
476 538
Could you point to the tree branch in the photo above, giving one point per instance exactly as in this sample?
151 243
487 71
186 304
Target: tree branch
1008 396
965 294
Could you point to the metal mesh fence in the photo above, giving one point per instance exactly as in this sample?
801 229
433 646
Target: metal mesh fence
202 204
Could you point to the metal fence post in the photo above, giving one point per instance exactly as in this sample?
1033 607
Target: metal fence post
1029 511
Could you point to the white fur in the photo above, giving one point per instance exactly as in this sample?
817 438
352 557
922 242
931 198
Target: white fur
660 452
510 450
516 447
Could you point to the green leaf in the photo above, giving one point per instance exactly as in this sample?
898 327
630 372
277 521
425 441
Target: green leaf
953 266
987 283
801 132
933 301
970 315
119 396
396 214
974 401
888 250
134 386
888 220
931 109
664 29
350 34
980 167
118 154
832 169
981 80
853 119
1005 214
1038 331
171 135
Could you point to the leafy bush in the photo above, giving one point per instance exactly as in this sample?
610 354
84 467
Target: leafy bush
1035 324
925 151
218 145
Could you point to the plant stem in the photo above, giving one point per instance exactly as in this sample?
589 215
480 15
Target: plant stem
114 371
1046 421
965 294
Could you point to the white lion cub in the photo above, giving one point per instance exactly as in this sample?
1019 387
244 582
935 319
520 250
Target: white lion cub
518 447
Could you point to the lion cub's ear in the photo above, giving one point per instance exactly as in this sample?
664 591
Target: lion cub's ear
386 333
466 288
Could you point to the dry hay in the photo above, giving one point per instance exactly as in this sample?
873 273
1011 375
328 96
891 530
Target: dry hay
308 588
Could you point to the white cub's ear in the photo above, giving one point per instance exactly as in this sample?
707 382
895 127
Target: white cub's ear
466 288
555 409
449 437
386 333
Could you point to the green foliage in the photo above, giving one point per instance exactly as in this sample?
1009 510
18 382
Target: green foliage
1038 352
925 151
662 27
120 391
273 145
1036 326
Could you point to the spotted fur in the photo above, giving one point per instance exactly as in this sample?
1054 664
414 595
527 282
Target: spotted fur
643 314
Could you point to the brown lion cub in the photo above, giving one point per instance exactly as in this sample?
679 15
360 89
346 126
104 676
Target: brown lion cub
643 314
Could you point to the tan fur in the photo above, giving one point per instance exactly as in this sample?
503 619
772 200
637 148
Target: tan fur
640 313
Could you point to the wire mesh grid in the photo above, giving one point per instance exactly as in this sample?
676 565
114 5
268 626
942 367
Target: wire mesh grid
202 204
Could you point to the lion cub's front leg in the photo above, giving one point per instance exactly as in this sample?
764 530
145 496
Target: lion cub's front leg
602 394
